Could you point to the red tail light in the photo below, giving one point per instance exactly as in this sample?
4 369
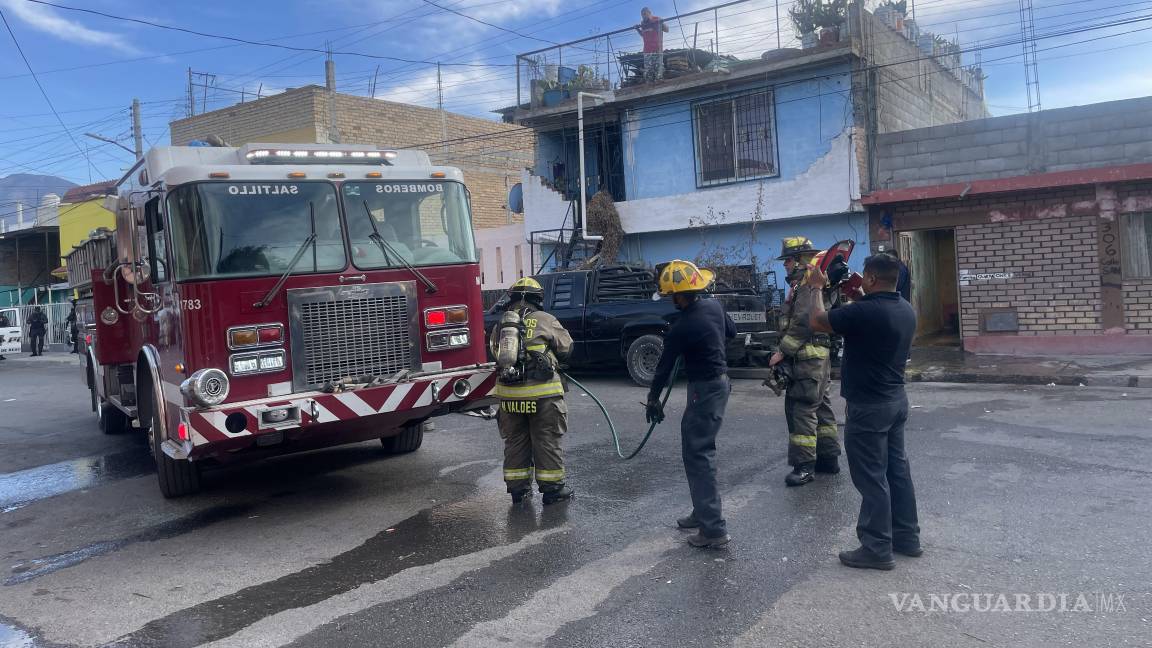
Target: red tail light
436 318
445 315
182 431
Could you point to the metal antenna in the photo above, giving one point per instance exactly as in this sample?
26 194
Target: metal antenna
1031 70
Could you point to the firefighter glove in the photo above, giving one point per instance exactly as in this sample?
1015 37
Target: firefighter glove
653 411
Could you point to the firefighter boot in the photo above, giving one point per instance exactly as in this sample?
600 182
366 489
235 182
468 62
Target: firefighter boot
800 475
558 493
688 522
521 494
828 465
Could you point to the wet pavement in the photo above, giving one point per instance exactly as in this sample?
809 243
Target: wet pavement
1022 490
950 364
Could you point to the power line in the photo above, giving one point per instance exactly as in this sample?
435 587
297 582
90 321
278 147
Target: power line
245 41
493 25
43 92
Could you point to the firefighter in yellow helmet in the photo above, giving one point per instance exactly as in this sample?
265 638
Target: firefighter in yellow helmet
528 345
699 335
813 444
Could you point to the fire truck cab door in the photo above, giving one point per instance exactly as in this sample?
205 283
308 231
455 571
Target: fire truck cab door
10 336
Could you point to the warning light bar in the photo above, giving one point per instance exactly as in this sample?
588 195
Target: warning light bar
282 156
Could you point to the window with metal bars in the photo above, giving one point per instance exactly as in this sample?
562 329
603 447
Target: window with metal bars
735 139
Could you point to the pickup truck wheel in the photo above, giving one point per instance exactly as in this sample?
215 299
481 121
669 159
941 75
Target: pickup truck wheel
643 356
177 477
112 420
409 440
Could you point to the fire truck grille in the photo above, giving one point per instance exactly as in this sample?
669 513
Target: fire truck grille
352 337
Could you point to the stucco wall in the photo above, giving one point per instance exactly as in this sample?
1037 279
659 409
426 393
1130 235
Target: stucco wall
659 145
78 220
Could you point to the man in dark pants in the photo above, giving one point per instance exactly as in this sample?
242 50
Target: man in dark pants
37 329
877 332
73 328
699 336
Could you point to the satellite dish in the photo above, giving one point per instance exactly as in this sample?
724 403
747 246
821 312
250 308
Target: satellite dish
516 198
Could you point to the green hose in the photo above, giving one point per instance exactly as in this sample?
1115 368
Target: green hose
608 417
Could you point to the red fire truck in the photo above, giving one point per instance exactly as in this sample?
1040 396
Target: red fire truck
280 297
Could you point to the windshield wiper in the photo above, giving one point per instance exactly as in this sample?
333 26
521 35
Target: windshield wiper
389 250
310 241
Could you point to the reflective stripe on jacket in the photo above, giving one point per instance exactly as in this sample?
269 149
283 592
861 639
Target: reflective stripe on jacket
544 334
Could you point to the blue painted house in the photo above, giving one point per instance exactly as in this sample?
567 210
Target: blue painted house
721 162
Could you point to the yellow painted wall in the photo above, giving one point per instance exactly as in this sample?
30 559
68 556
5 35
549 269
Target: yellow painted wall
79 219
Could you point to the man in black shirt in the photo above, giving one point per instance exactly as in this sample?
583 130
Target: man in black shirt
699 336
877 331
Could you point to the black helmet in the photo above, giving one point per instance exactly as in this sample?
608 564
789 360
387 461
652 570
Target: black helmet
795 246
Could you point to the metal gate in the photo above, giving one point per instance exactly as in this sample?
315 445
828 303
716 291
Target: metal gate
57 326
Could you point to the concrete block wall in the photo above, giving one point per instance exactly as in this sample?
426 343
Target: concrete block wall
915 91
491 154
1055 283
287 113
1064 139
1138 306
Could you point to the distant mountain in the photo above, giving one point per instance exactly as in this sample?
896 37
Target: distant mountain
27 188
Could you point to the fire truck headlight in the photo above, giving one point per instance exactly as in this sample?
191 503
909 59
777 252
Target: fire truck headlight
453 339
206 387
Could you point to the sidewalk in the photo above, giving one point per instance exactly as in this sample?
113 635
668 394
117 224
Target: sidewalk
936 364
50 357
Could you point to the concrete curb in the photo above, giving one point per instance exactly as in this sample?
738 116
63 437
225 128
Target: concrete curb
1065 380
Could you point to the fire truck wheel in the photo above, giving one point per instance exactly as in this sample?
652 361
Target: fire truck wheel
642 358
112 420
409 440
177 477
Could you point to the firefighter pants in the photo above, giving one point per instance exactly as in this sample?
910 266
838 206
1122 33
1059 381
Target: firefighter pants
532 431
808 409
707 400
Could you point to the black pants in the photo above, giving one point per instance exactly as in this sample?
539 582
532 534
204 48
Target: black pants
702 419
37 342
874 440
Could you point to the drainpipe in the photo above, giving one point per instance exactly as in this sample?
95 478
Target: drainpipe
583 190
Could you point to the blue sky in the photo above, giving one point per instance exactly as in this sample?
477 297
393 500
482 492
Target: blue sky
91 67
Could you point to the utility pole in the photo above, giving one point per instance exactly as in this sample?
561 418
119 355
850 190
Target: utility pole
330 82
440 107
374 75
191 96
137 132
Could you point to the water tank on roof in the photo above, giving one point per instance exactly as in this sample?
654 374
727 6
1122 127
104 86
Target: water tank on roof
48 211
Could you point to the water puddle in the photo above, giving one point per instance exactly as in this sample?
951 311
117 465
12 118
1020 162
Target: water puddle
11 637
18 489
37 567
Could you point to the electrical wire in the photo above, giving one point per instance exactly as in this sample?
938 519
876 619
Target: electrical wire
43 92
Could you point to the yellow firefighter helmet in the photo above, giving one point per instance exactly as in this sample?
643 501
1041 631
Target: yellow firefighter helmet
795 246
683 276
526 288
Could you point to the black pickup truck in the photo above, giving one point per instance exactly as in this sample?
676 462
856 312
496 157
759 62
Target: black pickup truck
616 318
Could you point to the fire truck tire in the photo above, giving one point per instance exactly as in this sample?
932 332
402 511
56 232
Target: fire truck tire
409 440
642 357
177 477
112 420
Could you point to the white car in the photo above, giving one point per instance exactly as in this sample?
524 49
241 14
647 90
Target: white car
10 336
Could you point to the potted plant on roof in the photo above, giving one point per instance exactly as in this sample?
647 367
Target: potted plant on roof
830 17
804 15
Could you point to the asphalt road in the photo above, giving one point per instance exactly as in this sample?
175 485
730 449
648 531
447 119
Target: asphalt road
1022 491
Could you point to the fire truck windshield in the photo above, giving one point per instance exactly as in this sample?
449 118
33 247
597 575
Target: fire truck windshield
224 229
424 222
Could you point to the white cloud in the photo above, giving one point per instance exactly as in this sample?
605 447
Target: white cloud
48 21
1078 92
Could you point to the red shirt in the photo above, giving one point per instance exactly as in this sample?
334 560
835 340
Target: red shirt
652 31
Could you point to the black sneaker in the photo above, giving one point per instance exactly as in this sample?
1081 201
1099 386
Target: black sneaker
800 475
687 522
911 549
559 495
828 465
521 495
702 541
861 558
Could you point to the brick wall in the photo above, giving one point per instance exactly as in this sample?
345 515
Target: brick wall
1138 306
490 153
1065 139
1055 287
914 91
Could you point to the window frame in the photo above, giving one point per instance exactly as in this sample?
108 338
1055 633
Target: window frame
764 94
1126 245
